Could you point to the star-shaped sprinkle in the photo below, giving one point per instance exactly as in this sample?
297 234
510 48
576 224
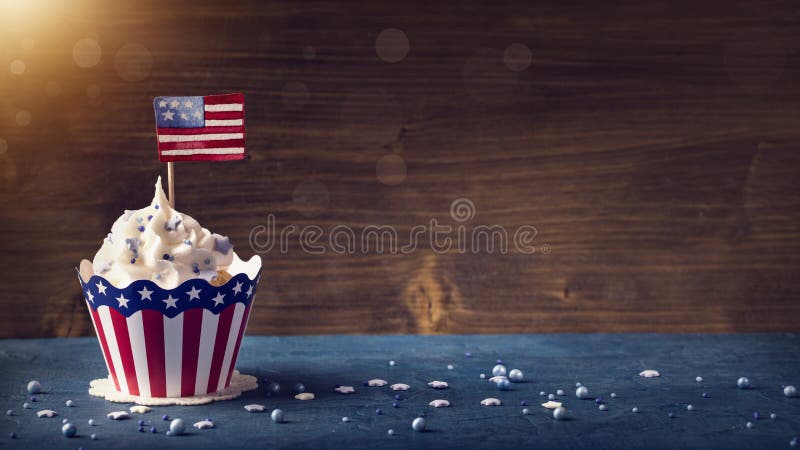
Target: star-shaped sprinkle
438 384
377 383
254 408
89 296
170 301
197 114
203 424
145 293
46 413
439 403
187 104
117 415
344 389
101 288
174 103
250 290
222 244
123 302
141 409
491 401
552 405
162 104
168 115
649 373
218 300
194 293
238 288
304 396
400 387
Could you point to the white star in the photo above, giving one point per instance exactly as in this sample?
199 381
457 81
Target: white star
439 403
197 114
174 103
89 295
438 384
250 290
168 115
123 302
162 104
218 299
187 104
101 288
184 116
194 293
344 389
170 301
145 293
238 288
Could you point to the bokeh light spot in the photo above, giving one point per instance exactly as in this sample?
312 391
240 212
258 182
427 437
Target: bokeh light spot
133 62
23 118
517 57
392 45
17 67
86 53
391 170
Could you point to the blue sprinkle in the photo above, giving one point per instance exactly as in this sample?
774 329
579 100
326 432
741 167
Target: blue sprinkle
671 415
187 242
12 435
378 411
141 422
468 354
153 430
299 388
207 261
141 429
499 361
756 415
598 400
141 228
705 394
523 403
165 417
156 206
398 397
149 218
395 404
33 399
133 260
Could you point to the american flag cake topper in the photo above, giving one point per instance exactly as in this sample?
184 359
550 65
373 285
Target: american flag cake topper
200 128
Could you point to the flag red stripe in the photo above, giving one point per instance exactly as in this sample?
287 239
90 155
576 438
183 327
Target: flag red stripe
221 342
203 157
201 144
224 115
101 335
120 323
238 343
192 322
224 98
153 323
203 130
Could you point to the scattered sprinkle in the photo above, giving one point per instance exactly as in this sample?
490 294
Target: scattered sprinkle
756 416
523 403
254 408
542 393
400 387
34 387
117 415
439 403
10 412
203 425
46 413
749 425
671 415
582 392
515 375
345 389
390 432
449 367
176 427
69 403
345 419
649 373
551 397
68 430
705 394
743 383
499 370
91 422
613 395
577 385
690 407
304 396
635 410
468 354
560 413
141 409
392 363
438 384
378 411
526 411
277 416
483 376
773 416
165 417
418 424
93 437
602 407
26 405
491 401
552 405
790 391
560 392
699 379
598 400
153 430
141 228
377 382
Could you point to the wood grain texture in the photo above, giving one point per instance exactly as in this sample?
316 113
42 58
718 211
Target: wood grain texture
653 146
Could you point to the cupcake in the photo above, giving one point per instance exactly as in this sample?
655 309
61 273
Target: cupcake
169 301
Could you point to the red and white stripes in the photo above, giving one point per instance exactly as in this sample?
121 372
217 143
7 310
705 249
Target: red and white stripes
151 355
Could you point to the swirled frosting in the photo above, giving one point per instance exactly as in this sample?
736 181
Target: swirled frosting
160 244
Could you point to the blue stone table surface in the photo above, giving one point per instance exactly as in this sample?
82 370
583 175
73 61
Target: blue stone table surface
605 363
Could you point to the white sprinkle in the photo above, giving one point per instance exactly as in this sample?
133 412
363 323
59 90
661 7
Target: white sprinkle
439 403
497 378
542 394
699 379
47 413
491 401
117 415
391 363
649 373
141 409
304 396
552 405
690 407
483 376
749 425
345 389
438 384
551 397
254 408
773 416
449 367
203 424
560 392
377 382
400 387
613 395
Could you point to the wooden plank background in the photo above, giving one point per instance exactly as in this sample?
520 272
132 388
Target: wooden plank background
653 145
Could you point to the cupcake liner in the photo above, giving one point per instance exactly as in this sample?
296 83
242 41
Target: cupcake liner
177 342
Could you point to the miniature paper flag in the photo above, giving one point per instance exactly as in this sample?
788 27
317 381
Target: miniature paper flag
208 128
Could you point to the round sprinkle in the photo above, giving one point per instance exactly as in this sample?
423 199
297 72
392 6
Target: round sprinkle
699 379
345 419
33 399
749 425
671 415
542 393
560 392
390 432
395 404
156 207
273 388
34 387
516 375
499 371
551 397
10 412
523 403
93 437
790 391
449 367
12 435
398 397
26 405
689 407
418 424
613 395
756 416
207 261
166 256
793 442
70 403
149 217
277 416
68 430
153 430
499 361
598 400
133 260
503 384
526 411
602 407
378 411
743 383
91 422
483 376
299 388
705 394
577 385
141 429
468 354
187 242
165 417
634 410
177 426
64 420
773 416
141 228
560 413
392 363
141 422
582 392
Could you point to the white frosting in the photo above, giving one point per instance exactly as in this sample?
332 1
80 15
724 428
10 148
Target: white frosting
139 240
